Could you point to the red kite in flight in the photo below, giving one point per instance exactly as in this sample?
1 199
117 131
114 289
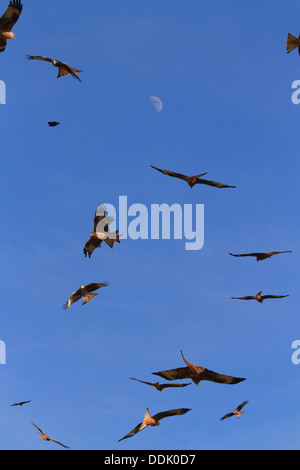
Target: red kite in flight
261 256
161 387
85 292
154 420
101 232
237 412
48 439
292 43
63 68
53 123
7 22
260 298
197 374
22 403
193 180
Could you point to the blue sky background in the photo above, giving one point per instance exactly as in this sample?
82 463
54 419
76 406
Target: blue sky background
225 80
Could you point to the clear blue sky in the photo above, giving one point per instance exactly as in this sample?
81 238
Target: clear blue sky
225 81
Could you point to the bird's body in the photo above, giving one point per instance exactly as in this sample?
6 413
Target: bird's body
197 374
7 22
236 412
260 298
85 292
260 256
161 387
193 180
63 68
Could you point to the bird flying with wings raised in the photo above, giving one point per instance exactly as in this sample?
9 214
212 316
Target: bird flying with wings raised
85 292
197 374
238 412
101 232
47 438
154 420
161 387
292 43
260 298
261 256
63 68
7 22
22 403
193 180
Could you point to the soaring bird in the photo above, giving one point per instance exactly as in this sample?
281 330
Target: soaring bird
63 68
261 256
260 298
197 374
85 292
292 43
22 403
238 412
161 387
47 438
53 123
193 180
101 232
154 420
7 22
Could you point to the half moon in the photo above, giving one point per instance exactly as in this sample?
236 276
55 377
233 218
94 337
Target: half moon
157 103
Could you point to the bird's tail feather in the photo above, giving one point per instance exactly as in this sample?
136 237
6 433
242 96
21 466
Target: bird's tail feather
292 43
88 297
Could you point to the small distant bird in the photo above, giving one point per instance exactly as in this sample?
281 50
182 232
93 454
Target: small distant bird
101 232
47 438
193 180
22 403
197 374
53 123
154 420
63 68
85 292
237 412
260 298
261 256
161 387
7 22
292 43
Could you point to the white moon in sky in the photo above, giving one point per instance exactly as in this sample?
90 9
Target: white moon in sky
157 103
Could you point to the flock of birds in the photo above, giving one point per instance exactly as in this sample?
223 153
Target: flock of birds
101 233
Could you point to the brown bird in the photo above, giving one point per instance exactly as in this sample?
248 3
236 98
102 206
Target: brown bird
101 232
53 123
22 403
160 387
85 292
260 298
193 180
292 43
47 438
237 412
63 68
7 22
261 256
197 374
154 420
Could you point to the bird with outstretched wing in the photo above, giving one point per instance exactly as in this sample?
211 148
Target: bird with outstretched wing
47 438
161 387
63 68
193 180
85 292
7 22
22 403
238 412
260 298
261 256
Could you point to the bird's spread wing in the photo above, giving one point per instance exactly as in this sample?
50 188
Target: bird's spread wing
11 16
42 432
264 297
38 57
100 215
59 443
213 183
219 378
167 414
227 416
247 254
92 287
91 246
74 298
248 297
174 385
174 374
132 433
171 173
65 69
278 252
142 382
240 407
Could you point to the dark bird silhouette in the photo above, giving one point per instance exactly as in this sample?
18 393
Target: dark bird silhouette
22 403
160 387
85 292
292 43
238 412
63 68
193 180
47 438
101 232
7 22
197 374
261 256
260 298
53 123
154 420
